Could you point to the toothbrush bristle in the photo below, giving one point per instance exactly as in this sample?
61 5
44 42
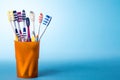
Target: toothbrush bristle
40 18
27 22
32 16
48 16
23 15
19 17
10 16
15 15
47 20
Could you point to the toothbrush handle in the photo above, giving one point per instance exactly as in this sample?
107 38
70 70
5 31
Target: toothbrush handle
19 28
39 29
17 34
16 31
24 34
29 39
43 33
34 27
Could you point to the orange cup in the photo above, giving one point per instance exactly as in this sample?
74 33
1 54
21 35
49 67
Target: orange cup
27 55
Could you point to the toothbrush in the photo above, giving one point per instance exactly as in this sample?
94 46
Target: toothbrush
19 20
15 19
24 29
10 19
32 18
28 29
46 22
40 21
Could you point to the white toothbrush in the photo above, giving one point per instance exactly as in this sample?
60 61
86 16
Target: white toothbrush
24 25
10 19
15 19
40 21
32 18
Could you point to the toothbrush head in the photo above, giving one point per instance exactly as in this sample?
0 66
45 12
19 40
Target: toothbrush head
23 15
47 20
19 16
27 22
15 15
10 16
32 16
40 18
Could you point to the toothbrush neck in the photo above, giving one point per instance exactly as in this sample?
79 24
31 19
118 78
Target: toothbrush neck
28 32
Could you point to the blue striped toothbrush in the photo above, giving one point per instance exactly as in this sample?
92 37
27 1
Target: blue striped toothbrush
24 28
15 19
46 22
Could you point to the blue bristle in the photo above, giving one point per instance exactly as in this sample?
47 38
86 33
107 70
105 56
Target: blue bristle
48 16
44 23
47 20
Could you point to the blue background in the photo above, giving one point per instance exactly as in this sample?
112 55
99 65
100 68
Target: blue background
81 42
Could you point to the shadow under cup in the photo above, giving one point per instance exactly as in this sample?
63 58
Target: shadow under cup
27 55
